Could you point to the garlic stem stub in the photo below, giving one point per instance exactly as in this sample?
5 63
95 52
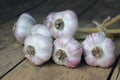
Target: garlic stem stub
42 30
67 51
37 49
62 23
98 50
22 28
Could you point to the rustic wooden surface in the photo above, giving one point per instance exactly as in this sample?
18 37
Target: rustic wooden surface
116 72
13 65
10 50
51 71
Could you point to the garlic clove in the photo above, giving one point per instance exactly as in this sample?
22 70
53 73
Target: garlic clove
23 26
62 23
42 30
67 51
37 49
98 50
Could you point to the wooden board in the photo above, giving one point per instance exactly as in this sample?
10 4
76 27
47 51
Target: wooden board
51 71
116 72
10 49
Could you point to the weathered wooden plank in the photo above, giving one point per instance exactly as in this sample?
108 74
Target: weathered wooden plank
51 71
116 72
10 50
12 47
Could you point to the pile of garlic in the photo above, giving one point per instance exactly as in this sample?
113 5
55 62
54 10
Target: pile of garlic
39 45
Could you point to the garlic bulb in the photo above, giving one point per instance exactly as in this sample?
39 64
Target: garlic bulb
41 29
62 23
23 26
98 50
37 49
67 51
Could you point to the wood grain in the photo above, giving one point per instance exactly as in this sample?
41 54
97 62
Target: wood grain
10 50
116 71
51 71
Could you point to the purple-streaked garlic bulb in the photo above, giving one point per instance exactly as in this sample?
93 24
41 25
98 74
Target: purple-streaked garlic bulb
62 23
67 51
98 50
42 30
37 49
23 26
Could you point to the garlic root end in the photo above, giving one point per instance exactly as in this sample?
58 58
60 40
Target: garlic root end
61 55
31 50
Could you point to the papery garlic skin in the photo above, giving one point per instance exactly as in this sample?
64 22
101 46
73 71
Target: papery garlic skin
37 49
23 26
67 51
42 30
98 50
62 23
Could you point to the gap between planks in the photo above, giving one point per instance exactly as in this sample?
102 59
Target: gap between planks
116 72
12 68
113 69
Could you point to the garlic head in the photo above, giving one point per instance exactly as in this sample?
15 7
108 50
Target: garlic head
37 49
98 50
67 51
23 26
62 23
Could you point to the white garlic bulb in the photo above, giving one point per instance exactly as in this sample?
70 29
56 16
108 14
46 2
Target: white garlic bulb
41 29
37 49
23 26
62 23
98 50
67 51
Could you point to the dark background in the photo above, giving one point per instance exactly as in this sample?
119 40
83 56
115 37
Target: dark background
12 8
